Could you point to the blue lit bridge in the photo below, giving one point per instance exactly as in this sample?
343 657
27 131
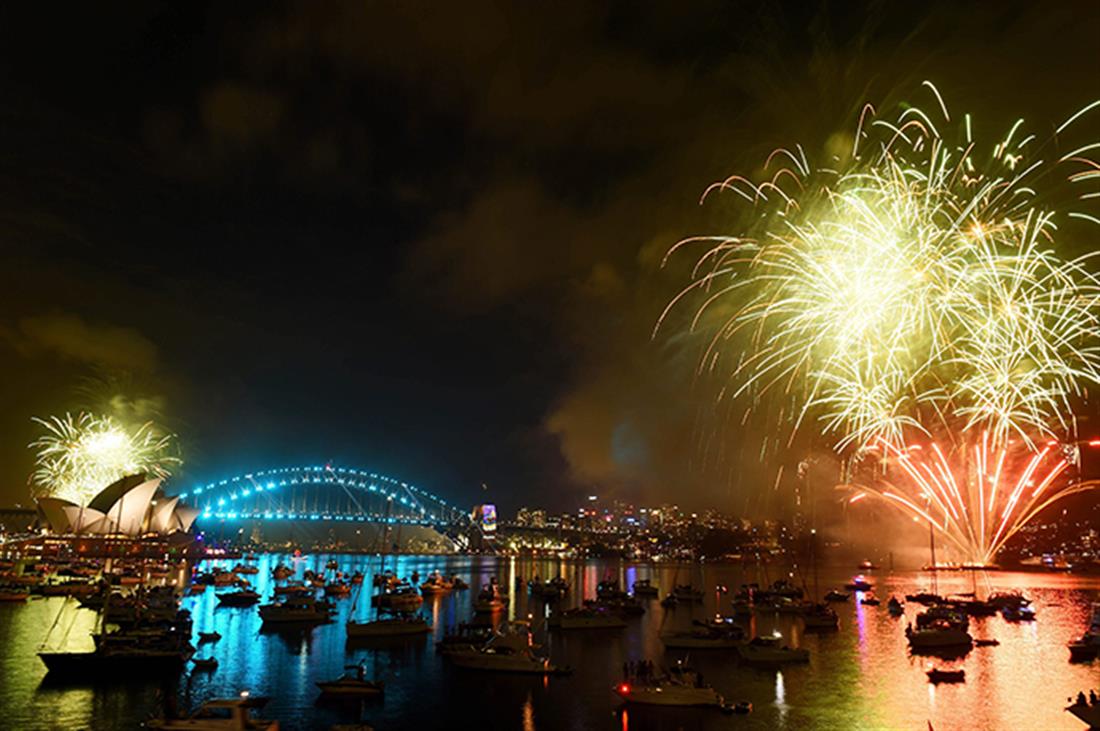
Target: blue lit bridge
323 493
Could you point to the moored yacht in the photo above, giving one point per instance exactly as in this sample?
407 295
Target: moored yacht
704 637
351 685
510 652
295 610
233 714
397 626
769 650
679 687
586 618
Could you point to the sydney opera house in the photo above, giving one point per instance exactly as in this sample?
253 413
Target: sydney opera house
132 507
131 517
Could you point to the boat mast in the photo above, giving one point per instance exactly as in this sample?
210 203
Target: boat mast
932 545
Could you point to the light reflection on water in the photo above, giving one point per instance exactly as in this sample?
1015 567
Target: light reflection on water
861 677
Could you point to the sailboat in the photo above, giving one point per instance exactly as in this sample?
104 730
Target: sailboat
400 624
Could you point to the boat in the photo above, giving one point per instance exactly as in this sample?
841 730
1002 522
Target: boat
295 610
332 564
642 588
986 643
209 636
680 687
858 583
111 661
337 588
351 685
866 565
926 598
242 598
399 596
234 714
294 587
204 663
586 618
820 617
396 626
504 652
1083 650
936 675
783 588
489 600
769 650
1018 613
243 568
281 572
144 650
436 584
1008 598
196 589
687 593
870 601
836 596
939 635
895 607
13 594
459 583
1086 711
704 637
548 590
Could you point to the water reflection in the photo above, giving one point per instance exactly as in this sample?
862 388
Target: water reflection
861 676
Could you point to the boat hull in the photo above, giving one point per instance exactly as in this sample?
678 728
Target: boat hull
98 666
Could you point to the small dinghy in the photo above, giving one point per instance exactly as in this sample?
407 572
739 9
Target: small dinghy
936 675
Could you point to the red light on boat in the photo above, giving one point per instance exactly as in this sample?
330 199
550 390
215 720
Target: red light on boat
1094 442
624 688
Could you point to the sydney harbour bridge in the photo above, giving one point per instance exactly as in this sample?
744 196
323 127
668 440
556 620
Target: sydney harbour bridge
327 496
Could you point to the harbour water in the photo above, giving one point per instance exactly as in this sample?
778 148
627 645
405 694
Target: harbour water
860 677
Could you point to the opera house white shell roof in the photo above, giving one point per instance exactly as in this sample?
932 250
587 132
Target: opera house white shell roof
131 507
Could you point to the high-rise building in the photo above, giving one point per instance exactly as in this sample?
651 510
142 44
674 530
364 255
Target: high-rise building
538 519
523 517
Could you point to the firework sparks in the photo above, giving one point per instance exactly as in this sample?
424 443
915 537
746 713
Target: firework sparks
912 290
78 457
979 499
912 286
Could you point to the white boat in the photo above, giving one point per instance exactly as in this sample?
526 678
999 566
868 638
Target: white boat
678 688
586 619
295 610
389 627
234 714
769 650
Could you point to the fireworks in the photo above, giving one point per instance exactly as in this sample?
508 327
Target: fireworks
912 285
979 507
78 457
911 289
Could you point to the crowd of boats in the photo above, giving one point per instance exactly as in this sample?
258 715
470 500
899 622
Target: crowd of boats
142 629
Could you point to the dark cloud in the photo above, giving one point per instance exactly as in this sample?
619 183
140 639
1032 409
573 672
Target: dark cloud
71 338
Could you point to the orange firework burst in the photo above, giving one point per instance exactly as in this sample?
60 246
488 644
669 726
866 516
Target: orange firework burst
979 496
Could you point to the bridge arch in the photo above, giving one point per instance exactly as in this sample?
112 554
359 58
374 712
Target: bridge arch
320 493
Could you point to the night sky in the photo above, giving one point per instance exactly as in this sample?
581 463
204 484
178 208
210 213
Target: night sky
424 237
